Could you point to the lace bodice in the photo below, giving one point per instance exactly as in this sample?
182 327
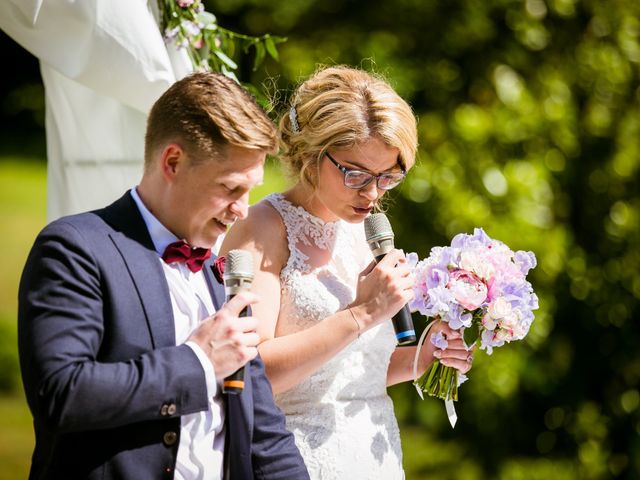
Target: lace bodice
341 416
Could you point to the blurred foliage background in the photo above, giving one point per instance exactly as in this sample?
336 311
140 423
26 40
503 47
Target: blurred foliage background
529 121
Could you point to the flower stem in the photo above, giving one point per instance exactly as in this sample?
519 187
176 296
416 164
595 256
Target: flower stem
440 381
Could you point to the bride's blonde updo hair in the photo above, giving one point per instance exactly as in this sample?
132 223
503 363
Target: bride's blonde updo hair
338 107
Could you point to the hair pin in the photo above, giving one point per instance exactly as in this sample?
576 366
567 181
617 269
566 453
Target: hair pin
293 119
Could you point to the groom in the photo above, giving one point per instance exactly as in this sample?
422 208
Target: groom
124 341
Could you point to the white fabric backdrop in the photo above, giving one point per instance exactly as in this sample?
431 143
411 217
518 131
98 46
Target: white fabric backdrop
103 64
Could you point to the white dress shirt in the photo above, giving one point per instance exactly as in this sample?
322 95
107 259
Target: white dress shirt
201 448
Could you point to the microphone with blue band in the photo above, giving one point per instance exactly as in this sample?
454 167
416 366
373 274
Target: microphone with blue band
379 236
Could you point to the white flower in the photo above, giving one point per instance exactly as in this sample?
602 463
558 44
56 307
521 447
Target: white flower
499 308
473 262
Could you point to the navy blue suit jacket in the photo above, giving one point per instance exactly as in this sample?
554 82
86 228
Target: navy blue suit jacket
104 379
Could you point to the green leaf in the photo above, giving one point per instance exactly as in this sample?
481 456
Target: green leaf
229 73
230 46
271 47
226 60
260 52
471 335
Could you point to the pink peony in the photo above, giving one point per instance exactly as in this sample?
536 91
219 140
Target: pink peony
468 290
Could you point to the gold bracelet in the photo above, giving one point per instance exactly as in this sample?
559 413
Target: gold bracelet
355 320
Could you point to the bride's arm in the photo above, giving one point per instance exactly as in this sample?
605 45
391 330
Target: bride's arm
455 355
290 359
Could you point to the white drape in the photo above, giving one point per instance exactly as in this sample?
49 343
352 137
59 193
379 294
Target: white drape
103 64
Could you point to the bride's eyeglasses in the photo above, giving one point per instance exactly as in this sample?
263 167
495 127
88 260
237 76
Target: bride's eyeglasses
358 179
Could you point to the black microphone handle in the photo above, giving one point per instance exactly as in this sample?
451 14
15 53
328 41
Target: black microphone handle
402 322
234 383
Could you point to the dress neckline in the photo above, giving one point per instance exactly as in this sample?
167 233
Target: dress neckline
303 212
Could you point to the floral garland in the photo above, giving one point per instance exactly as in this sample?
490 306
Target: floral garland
209 46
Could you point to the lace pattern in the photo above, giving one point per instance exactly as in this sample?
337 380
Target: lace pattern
341 416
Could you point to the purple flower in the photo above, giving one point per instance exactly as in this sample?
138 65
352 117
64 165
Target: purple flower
170 33
458 317
412 259
184 3
439 340
464 241
439 300
190 28
525 261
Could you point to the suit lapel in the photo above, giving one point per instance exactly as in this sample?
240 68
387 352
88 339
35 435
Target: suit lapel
133 241
215 288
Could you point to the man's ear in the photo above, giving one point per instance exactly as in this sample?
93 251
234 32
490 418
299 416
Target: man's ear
173 158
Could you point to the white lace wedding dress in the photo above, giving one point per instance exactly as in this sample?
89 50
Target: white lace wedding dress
342 417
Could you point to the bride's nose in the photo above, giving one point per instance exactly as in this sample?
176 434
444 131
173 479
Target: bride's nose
371 191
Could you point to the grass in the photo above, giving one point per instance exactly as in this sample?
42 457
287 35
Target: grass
16 438
22 215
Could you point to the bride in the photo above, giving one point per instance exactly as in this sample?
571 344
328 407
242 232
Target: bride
327 342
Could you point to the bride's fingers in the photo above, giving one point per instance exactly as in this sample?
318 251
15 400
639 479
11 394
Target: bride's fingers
457 343
455 354
461 365
458 359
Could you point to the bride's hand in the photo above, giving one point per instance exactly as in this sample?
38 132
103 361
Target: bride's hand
383 289
455 355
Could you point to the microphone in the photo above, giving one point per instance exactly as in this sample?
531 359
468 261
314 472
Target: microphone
379 236
237 276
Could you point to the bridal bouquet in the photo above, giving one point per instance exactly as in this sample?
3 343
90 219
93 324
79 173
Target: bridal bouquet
478 285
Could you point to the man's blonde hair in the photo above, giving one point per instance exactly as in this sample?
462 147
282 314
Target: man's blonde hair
338 107
205 112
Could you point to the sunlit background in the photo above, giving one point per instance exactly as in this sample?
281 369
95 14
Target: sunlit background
529 124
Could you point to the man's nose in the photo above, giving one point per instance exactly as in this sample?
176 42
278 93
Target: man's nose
240 208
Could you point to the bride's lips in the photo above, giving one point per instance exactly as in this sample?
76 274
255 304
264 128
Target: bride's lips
362 210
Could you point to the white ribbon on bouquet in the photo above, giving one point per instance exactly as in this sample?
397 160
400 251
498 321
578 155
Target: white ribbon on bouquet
449 406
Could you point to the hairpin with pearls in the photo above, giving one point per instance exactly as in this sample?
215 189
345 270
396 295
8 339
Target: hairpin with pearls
293 119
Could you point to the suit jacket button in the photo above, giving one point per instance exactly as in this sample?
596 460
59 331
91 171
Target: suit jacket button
164 410
169 438
171 409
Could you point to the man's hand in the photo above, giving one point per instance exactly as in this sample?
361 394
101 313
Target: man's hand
229 340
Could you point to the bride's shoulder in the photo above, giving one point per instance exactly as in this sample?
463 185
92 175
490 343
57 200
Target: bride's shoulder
261 231
264 215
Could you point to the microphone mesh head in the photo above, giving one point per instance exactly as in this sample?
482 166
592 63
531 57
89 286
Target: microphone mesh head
377 225
238 263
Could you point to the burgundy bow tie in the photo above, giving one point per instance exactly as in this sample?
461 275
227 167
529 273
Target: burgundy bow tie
181 251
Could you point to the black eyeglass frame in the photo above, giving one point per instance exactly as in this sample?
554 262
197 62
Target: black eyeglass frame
346 171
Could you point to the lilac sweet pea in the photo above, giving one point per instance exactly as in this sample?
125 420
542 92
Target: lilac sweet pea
439 340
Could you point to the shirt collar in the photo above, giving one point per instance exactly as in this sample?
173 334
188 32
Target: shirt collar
160 235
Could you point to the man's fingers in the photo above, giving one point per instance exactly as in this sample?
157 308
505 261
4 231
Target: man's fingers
246 324
251 339
239 302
